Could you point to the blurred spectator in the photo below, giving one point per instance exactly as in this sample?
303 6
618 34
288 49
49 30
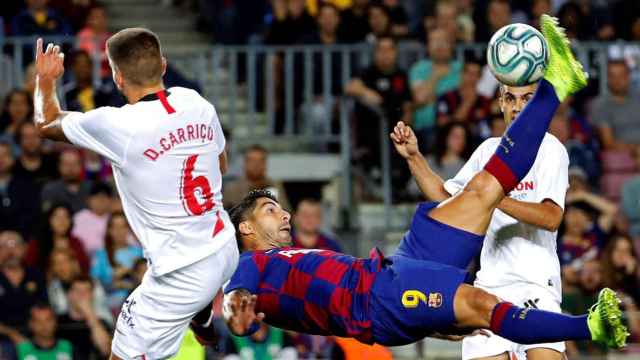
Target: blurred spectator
55 233
63 268
354 22
317 347
326 34
452 150
611 111
29 83
40 19
90 224
399 18
43 343
70 188
587 219
464 104
18 195
32 162
498 14
88 334
255 177
630 200
384 86
76 11
265 344
432 78
93 37
16 110
113 265
582 155
620 267
291 22
455 18
79 94
580 300
96 168
538 8
573 19
497 125
22 286
379 22
308 222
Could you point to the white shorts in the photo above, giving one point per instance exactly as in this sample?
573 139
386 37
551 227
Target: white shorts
156 315
524 295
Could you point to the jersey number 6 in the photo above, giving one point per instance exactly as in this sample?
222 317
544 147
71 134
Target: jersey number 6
189 186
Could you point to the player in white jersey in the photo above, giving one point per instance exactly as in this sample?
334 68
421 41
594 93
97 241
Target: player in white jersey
167 152
518 262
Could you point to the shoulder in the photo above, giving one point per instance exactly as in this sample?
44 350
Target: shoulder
420 66
553 147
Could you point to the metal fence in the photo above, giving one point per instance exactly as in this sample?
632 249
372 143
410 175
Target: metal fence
290 97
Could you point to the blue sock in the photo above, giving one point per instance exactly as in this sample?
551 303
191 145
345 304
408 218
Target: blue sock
533 326
519 145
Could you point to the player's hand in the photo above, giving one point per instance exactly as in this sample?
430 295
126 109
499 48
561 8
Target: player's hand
50 62
405 140
243 309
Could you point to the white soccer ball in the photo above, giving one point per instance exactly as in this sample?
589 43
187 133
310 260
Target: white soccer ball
517 55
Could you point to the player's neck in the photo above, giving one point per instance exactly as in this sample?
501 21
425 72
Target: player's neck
134 94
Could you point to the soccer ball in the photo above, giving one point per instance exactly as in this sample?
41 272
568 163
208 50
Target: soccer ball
517 55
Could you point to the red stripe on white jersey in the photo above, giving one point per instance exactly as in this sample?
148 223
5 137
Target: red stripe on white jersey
163 99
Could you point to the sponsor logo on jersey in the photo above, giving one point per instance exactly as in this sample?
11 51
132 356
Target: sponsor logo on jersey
435 300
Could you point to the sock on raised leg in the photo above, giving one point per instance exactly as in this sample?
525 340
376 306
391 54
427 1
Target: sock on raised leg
519 146
533 326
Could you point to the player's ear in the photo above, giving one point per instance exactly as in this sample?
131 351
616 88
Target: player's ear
245 228
164 65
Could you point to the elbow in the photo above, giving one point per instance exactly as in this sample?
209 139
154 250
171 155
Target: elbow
553 223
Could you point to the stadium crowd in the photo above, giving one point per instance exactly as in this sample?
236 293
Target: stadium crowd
68 259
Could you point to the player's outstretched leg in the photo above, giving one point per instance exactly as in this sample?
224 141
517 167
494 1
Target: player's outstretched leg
475 308
472 208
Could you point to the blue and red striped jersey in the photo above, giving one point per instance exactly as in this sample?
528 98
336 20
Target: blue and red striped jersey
310 290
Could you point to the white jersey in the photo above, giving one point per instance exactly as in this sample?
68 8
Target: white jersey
513 251
164 152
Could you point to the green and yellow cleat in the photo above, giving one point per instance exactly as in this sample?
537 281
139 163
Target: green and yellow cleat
605 321
564 72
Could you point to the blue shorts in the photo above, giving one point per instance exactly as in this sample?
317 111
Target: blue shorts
410 299
431 240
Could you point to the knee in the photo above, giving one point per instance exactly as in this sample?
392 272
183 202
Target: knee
476 308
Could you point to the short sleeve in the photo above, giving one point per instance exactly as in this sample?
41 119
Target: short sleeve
468 171
219 134
247 275
101 130
552 174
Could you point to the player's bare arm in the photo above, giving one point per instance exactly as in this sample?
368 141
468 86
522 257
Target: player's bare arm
239 312
546 215
224 164
406 143
47 112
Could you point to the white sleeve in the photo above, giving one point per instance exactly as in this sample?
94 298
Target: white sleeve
219 135
552 174
468 171
100 130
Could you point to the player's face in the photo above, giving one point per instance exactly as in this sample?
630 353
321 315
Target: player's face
513 99
270 223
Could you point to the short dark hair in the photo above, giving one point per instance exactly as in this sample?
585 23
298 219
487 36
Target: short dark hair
100 187
255 147
618 61
239 212
136 53
389 37
329 5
